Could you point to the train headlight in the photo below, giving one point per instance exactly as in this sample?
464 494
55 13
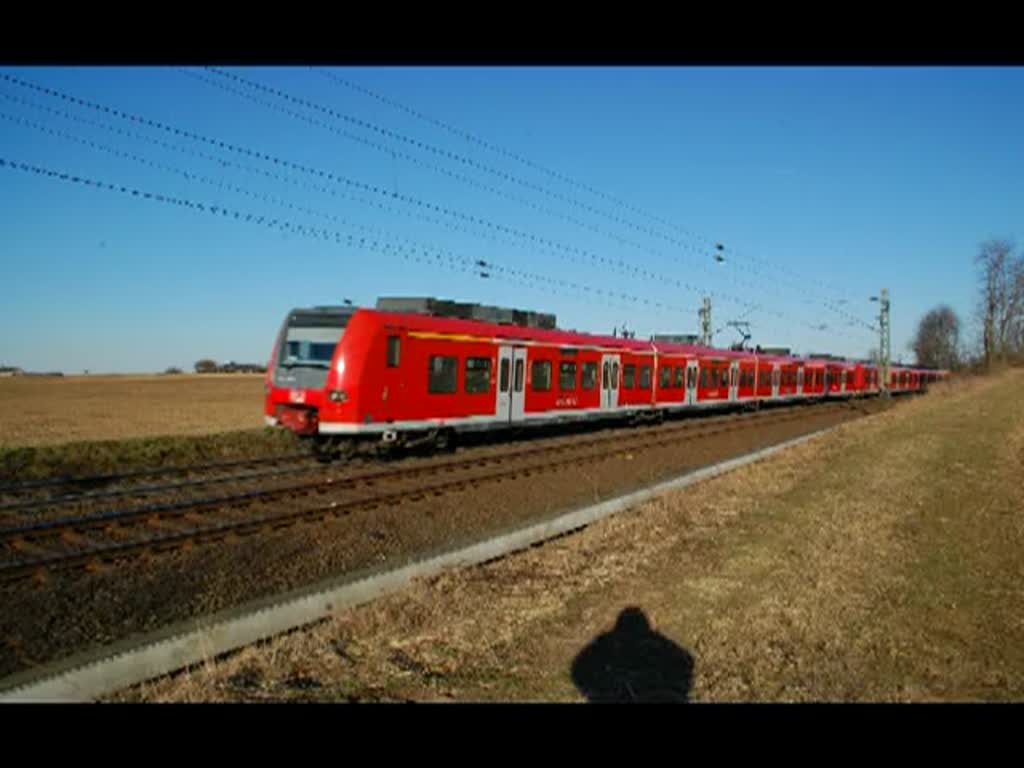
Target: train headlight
340 367
337 395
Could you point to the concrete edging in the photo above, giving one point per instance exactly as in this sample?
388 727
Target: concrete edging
131 662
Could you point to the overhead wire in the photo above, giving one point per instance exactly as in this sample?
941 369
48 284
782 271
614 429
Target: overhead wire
338 179
348 182
419 253
772 267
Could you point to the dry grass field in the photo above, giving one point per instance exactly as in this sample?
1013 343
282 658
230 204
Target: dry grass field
43 410
878 563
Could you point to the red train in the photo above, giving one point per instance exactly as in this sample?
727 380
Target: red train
424 370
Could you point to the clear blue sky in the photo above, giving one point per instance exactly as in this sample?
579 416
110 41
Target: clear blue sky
824 184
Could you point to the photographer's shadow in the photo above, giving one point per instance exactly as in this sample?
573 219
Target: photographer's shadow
633 663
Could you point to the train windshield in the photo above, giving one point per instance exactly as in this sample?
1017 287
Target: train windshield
306 352
311 338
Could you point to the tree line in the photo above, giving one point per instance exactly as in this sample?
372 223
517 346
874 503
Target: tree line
206 365
941 340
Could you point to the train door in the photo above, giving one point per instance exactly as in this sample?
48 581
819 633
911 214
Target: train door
691 382
734 381
511 383
609 382
776 375
800 381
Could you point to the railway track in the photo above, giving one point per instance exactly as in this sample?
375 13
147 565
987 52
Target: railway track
155 528
93 481
52 502
324 480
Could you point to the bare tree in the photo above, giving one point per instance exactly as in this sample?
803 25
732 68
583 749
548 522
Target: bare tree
1002 299
937 343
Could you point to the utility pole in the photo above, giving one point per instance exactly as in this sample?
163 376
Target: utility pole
883 342
705 322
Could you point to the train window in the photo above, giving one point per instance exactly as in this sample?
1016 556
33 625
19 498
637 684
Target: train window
604 376
443 371
394 343
665 377
628 376
478 375
703 378
615 375
679 377
733 376
503 375
567 376
645 377
540 373
775 377
588 376
518 383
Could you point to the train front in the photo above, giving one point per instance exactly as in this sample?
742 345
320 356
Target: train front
304 366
